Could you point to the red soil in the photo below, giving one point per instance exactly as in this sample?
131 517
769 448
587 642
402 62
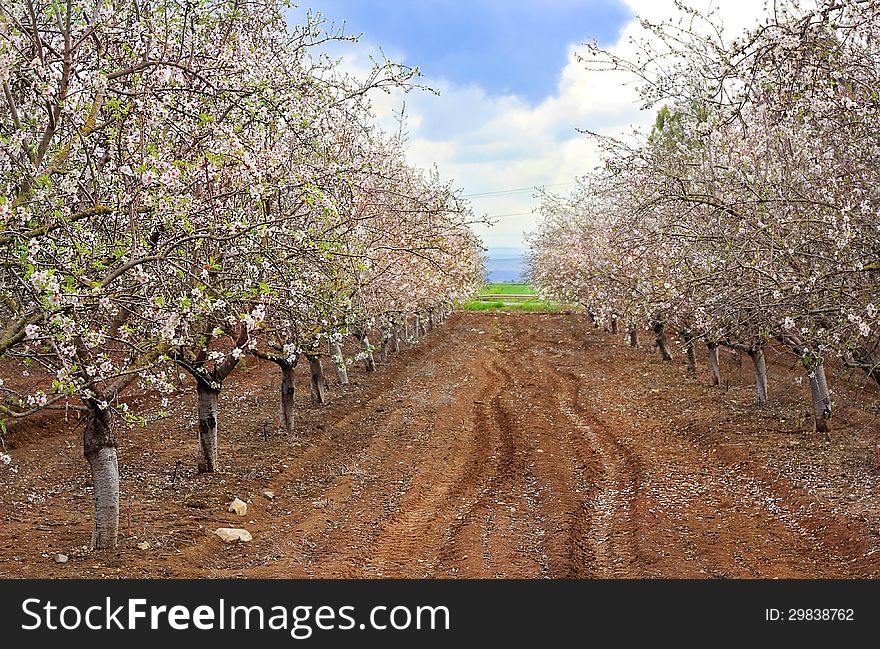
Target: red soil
504 445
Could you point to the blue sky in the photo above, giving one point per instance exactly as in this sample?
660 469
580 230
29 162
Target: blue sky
512 95
508 48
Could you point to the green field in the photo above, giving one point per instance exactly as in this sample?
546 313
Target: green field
501 303
512 305
507 289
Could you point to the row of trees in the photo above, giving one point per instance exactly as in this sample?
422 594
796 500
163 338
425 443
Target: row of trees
749 214
185 182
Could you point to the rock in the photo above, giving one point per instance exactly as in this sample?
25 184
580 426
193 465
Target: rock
197 504
269 495
143 545
60 558
230 534
238 506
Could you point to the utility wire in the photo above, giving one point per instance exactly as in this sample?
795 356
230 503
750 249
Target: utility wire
501 216
518 190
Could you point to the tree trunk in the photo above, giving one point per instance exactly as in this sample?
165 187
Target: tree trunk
288 392
417 327
99 448
691 349
423 328
369 363
406 330
614 328
432 319
383 347
395 340
691 357
821 400
662 343
714 367
633 337
818 385
318 382
339 363
208 401
757 357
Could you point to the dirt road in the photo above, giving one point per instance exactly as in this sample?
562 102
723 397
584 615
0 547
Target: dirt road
526 445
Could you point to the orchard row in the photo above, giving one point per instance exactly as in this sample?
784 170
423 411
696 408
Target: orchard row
183 183
749 214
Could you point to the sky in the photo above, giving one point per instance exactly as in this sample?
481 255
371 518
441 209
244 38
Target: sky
511 94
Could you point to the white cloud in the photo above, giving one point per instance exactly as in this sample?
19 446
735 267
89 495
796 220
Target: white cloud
488 143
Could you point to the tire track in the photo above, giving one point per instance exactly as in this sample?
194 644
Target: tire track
423 515
560 467
470 545
610 509
354 542
504 446
684 500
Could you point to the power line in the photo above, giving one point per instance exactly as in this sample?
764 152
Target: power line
518 190
500 216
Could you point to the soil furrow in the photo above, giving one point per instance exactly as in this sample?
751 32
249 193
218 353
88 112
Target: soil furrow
503 445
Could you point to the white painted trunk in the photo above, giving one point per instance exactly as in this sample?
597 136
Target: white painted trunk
105 478
99 448
406 330
339 363
633 337
369 362
208 402
821 400
714 366
417 328
757 357
318 387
